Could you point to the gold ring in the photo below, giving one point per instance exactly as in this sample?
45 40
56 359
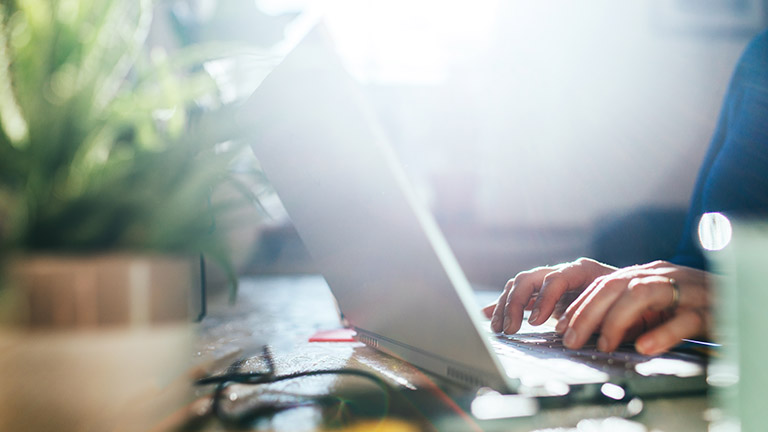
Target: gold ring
675 294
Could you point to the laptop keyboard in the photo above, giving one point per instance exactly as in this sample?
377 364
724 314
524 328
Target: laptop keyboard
539 358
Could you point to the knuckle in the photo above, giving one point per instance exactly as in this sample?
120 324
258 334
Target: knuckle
510 283
638 288
577 316
634 283
521 279
583 262
529 273
549 279
648 266
611 284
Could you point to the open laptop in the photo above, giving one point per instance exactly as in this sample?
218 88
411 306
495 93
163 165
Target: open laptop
384 258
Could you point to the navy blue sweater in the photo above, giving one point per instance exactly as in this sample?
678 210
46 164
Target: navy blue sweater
734 176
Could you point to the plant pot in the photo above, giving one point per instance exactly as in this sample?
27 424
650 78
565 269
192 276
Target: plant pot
96 343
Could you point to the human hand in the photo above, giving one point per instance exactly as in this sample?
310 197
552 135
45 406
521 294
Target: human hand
661 302
545 291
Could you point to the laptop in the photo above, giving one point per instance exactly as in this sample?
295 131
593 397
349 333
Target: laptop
395 279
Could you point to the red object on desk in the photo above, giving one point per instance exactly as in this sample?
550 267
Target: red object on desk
335 335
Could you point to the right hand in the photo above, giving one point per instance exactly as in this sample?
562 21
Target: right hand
545 291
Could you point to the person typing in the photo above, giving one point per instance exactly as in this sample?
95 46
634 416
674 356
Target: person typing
659 303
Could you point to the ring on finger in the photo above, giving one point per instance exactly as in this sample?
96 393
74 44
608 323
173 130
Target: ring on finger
675 294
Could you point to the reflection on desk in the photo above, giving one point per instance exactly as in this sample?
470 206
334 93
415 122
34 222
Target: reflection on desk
284 311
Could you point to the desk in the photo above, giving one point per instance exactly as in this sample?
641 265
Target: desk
285 311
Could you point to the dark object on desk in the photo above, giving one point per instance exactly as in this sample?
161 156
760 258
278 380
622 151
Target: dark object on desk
385 402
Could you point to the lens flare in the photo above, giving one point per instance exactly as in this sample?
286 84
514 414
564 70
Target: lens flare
715 231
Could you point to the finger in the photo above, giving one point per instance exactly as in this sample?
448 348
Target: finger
588 317
497 317
573 276
624 273
636 328
692 279
564 302
686 323
552 289
565 319
531 302
525 285
693 293
488 310
642 294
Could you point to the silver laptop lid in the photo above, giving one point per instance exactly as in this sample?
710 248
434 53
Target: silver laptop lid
379 249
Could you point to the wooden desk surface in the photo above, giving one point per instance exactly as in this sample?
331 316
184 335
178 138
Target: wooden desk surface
283 312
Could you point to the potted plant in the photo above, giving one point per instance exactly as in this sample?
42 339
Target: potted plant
107 166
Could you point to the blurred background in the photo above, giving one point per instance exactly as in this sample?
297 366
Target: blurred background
536 132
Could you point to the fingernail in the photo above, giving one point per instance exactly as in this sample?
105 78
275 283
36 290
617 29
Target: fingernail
534 315
562 323
570 338
602 344
645 345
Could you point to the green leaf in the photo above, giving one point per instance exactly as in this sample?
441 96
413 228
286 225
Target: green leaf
104 146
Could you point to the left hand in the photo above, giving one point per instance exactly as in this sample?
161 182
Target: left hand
636 301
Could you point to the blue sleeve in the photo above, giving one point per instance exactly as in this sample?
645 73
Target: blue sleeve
734 176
